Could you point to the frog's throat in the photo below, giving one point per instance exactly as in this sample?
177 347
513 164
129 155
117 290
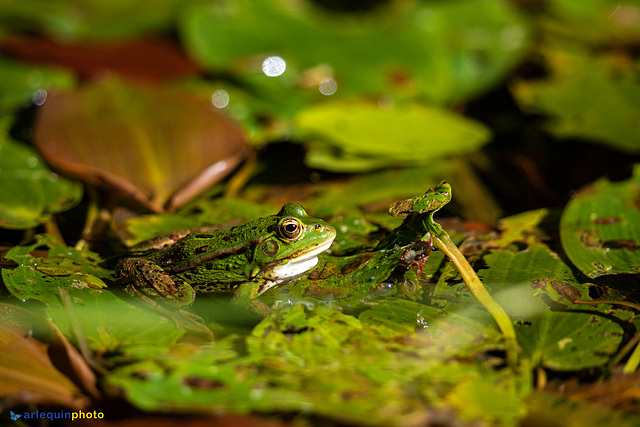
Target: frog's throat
299 265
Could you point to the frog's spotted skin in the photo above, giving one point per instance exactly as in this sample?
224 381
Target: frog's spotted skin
259 254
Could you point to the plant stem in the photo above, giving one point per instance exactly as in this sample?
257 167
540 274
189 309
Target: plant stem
444 243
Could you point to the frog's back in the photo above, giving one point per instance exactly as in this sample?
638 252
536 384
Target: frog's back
220 256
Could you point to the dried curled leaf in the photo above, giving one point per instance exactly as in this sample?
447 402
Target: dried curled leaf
27 374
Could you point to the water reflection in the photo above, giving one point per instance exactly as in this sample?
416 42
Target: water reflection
220 98
328 86
39 97
273 66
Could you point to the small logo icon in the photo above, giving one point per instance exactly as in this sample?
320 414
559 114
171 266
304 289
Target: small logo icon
14 416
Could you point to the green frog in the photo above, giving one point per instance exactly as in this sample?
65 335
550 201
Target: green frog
246 259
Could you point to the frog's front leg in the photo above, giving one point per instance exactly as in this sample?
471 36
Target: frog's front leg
246 296
150 283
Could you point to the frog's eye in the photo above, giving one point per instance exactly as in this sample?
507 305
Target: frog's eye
291 228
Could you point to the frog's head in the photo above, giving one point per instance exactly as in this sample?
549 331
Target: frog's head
294 246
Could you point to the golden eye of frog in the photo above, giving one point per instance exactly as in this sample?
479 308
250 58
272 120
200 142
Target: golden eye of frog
246 259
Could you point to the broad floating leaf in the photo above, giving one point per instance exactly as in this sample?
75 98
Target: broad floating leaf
442 50
599 229
31 193
525 282
158 146
358 136
589 96
91 19
568 341
108 321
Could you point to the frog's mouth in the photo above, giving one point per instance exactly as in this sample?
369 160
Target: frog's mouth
299 265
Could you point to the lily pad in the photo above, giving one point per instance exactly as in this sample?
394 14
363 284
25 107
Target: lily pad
587 95
109 322
158 146
442 50
359 136
525 283
31 192
599 229
91 19
569 341
314 361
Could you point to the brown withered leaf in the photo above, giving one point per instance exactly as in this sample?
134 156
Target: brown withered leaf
142 59
159 146
27 374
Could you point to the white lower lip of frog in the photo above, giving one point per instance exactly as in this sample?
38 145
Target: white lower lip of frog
300 265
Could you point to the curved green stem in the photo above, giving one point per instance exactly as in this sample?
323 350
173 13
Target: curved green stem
425 206
444 243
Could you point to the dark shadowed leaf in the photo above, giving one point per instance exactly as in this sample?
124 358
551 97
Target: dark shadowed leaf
591 96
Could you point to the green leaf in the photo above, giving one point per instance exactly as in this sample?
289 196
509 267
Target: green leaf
430 202
566 341
376 188
545 408
369 137
482 397
593 21
108 321
31 192
593 96
524 283
442 50
191 379
90 19
599 229
22 84
203 213
522 227
318 361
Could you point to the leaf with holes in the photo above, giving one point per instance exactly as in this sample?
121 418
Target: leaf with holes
599 227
